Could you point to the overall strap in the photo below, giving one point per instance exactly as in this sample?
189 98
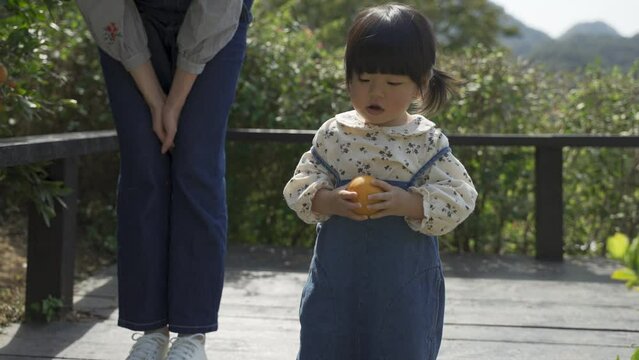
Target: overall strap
428 164
317 157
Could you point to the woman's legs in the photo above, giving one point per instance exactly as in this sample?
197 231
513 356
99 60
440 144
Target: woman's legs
198 208
142 205
172 221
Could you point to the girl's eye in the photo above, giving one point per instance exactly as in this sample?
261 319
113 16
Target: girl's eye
363 80
394 83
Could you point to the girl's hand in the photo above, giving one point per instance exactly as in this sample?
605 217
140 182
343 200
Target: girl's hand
395 201
337 202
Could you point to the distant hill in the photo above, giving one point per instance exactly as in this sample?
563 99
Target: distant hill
577 50
591 28
526 40
582 44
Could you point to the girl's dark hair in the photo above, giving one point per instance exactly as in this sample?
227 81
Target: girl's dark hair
397 39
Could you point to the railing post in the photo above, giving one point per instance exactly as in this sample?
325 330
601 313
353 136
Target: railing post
549 203
51 250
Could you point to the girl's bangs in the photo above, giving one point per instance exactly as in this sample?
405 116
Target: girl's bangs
383 51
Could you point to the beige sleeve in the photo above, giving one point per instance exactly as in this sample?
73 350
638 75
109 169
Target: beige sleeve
208 26
117 29
449 195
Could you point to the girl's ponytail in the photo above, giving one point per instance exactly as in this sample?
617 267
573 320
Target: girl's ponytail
441 87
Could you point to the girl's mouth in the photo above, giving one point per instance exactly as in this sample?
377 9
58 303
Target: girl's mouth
374 109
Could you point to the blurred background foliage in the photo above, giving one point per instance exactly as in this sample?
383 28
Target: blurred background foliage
293 78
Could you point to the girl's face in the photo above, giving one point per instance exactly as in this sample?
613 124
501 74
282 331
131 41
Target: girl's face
382 99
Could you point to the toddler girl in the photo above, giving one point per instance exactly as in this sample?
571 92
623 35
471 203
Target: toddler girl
375 288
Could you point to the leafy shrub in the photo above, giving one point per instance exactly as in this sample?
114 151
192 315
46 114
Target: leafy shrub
620 248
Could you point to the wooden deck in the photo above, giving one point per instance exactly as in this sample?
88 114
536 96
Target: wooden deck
497 308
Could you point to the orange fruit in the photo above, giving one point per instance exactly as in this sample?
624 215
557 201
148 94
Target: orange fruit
362 186
4 74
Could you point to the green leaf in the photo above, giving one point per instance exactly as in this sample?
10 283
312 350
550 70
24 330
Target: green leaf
631 257
623 274
617 245
635 355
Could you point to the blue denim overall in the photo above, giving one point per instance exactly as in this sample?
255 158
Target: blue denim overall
171 209
375 289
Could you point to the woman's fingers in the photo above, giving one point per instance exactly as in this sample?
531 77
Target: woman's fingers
170 118
158 129
167 144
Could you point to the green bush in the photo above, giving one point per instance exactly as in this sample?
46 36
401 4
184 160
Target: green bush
293 78
288 81
55 85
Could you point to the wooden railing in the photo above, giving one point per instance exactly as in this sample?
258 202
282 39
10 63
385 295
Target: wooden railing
51 250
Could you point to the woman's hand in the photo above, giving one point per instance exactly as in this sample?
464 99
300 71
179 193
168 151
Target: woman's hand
147 82
337 202
170 118
180 89
395 201
156 117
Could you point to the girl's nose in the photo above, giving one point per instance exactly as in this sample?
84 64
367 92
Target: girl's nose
375 90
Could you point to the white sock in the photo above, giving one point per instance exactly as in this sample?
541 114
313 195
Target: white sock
187 335
163 330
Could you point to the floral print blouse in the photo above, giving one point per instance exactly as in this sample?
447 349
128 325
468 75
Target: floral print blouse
391 153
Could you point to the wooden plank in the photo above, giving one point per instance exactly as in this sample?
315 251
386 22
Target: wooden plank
553 140
33 149
498 307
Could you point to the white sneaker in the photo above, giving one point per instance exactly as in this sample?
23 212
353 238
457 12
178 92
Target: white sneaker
187 348
149 347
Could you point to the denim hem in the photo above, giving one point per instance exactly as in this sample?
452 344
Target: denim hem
141 326
180 329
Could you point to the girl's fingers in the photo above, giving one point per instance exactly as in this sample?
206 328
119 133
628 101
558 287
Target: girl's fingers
348 195
382 184
357 217
377 206
351 205
385 196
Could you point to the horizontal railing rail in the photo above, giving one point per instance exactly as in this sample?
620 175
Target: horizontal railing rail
51 250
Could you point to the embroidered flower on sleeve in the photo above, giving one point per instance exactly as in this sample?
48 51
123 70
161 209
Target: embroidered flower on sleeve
111 33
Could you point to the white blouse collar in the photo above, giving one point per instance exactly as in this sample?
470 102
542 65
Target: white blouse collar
415 126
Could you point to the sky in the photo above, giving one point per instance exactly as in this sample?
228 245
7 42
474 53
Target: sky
554 17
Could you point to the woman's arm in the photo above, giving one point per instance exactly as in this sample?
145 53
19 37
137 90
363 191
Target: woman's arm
148 84
208 26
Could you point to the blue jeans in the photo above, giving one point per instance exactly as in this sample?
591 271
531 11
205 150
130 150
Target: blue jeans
172 216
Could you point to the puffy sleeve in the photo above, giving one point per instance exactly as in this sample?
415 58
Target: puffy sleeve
309 177
208 26
117 29
448 192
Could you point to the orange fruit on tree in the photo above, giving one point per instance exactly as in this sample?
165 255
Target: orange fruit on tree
4 74
363 187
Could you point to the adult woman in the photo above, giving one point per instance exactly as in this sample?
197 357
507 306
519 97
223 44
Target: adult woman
171 68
